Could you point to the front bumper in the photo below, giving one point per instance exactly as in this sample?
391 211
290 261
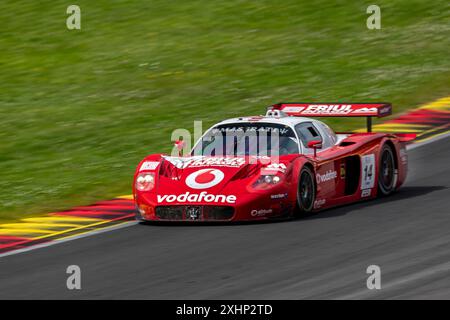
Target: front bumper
194 213
254 211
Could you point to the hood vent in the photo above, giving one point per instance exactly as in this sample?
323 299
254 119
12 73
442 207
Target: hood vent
346 143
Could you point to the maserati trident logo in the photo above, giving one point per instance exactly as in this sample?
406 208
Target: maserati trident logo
204 178
193 213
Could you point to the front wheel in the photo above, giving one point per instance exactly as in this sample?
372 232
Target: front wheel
387 173
306 192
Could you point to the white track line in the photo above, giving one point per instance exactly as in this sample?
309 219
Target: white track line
84 235
428 141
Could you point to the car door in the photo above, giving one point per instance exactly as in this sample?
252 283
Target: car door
330 174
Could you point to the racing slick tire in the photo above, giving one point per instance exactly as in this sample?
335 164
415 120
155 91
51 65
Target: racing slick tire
306 191
387 174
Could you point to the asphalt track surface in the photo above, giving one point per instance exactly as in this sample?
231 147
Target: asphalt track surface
324 256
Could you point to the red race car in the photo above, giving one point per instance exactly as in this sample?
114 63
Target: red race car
273 166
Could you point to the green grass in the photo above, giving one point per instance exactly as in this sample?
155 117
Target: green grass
79 109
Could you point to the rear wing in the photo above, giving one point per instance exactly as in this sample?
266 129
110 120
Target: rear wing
331 109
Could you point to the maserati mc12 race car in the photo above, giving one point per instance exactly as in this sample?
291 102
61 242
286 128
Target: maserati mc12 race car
273 166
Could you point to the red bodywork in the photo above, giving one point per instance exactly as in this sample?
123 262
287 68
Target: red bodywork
223 188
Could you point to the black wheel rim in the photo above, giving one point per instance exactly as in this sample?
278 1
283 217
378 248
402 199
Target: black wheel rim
306 190
387 170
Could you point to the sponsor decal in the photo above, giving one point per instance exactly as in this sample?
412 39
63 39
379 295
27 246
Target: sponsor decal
366 193
386 110
276 167
149 165
319 203
367 171
278 196
225 162
329 175
204 178
260 213
178 162
255 129
201 161
328 108
336 109
293 109
203 196
366 110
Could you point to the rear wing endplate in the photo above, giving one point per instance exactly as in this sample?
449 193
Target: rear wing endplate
331 109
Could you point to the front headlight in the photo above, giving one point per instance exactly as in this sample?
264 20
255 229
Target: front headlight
145 181
266 181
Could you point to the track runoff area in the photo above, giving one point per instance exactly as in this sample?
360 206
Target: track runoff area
430 121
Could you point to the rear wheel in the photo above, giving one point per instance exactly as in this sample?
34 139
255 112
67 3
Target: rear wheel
306 192
387 172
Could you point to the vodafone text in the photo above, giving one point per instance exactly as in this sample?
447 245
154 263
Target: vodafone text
329 175
197 197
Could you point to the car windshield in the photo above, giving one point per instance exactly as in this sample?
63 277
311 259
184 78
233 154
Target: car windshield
242 139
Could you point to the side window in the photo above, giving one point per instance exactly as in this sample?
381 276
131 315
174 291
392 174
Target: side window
329 136
307 132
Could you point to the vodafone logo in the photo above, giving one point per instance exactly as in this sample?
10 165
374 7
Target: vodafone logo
329 175
204 179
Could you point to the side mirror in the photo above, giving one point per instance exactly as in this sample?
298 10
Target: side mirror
180 146
315 144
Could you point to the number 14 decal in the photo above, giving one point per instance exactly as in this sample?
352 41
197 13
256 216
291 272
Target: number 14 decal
367 171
